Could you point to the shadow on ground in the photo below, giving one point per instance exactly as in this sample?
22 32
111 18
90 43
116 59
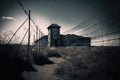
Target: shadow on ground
12 64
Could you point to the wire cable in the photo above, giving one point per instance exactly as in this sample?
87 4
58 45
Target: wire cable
17 30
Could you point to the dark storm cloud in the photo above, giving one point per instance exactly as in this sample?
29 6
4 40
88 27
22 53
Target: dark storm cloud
62 7
67 11
5 8
74 11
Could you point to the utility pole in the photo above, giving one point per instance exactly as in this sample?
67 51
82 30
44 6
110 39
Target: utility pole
39 41
28 48
34 41
36 38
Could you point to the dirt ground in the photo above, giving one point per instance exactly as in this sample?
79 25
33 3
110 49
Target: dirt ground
45 72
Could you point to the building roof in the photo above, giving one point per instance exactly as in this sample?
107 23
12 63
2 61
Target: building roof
74 36
53 26
44 37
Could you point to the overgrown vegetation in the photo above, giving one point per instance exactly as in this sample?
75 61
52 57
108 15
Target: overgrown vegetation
89 63
81 63
52 52
13 62
40 59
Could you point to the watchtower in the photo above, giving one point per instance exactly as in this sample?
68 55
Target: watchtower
53 35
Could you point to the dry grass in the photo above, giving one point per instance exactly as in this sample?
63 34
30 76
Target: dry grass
80 63
40 59
52 52
89 63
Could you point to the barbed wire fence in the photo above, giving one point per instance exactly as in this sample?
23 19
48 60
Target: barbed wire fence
31 30
95 27
100 30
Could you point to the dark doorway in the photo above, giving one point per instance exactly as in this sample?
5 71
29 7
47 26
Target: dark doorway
56 42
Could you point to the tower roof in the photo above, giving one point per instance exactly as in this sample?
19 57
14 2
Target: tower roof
53 26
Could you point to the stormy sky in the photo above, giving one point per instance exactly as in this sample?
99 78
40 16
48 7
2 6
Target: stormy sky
66 13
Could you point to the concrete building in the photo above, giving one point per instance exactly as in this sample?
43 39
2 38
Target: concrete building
43 41
74 40
55 39
54 35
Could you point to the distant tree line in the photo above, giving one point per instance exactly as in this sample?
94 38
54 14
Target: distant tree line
6 35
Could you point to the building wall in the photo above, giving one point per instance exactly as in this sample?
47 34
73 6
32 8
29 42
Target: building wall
75 41
49 38
66 40
54 37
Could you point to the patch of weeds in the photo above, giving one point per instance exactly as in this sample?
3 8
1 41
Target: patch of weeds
53 54
40 59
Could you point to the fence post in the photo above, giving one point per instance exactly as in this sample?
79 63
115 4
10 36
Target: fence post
28 48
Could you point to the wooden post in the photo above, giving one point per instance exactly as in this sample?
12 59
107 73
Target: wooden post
33 38
39 41
36 37
34 41
28 48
